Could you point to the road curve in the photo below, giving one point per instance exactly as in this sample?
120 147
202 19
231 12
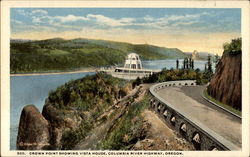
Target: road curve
188 99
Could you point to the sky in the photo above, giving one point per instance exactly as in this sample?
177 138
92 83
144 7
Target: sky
189 29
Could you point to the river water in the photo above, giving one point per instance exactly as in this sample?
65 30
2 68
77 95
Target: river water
35 89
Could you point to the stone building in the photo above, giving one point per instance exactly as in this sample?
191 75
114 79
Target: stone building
133 61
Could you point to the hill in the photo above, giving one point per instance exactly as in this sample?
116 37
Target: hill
58 54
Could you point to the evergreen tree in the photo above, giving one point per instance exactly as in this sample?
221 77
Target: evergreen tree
216 60
208 73
192 64
187 64
136 82
177 64
209 64
184 64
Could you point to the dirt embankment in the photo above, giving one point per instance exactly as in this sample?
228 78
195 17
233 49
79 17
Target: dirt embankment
225 85
160 136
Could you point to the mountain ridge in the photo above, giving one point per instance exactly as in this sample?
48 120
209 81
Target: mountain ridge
63 54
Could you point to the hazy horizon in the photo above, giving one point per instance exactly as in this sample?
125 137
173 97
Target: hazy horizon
187 29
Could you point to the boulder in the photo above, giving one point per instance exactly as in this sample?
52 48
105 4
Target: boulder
33 131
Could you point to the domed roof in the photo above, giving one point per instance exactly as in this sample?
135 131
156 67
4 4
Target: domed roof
133 61
133 56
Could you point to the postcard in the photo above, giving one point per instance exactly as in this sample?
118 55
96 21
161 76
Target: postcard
125 78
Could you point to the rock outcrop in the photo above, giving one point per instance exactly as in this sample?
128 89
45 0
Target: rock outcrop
195 55
225 85
69 113
60 122
33 132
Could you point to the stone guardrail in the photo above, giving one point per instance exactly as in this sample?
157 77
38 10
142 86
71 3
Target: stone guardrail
195 132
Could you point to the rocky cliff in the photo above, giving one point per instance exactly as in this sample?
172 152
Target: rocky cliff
225 85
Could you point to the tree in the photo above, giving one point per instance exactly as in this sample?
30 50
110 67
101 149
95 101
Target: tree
177 64
136 82
208 72
209 64
192 64
233 48
216 60
184 63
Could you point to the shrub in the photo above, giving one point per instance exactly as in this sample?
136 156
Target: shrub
233 48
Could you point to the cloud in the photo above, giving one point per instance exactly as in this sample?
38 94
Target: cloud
39 11
148 18
181 18
184 23
36 20
41 17
91 19
185 17
167 22
16 21
127 20
104 20
22 12
68 18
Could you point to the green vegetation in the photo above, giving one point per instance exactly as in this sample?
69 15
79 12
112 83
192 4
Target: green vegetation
85 92
61 55
208 72
71 137
128 130
188 63
216 60
233 48
85 99
172 75
228 107
186 73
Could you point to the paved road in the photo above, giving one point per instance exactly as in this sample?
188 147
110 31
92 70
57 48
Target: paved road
189 100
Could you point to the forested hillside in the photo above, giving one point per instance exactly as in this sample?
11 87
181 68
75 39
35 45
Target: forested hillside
58 54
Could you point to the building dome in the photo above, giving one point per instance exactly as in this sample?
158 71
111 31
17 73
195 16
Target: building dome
133 61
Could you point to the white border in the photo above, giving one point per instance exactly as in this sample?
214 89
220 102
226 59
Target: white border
5 36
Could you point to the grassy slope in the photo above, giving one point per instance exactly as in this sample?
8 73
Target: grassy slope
129 129
59 54
221 104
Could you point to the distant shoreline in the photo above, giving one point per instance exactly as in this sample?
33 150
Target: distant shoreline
56 73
